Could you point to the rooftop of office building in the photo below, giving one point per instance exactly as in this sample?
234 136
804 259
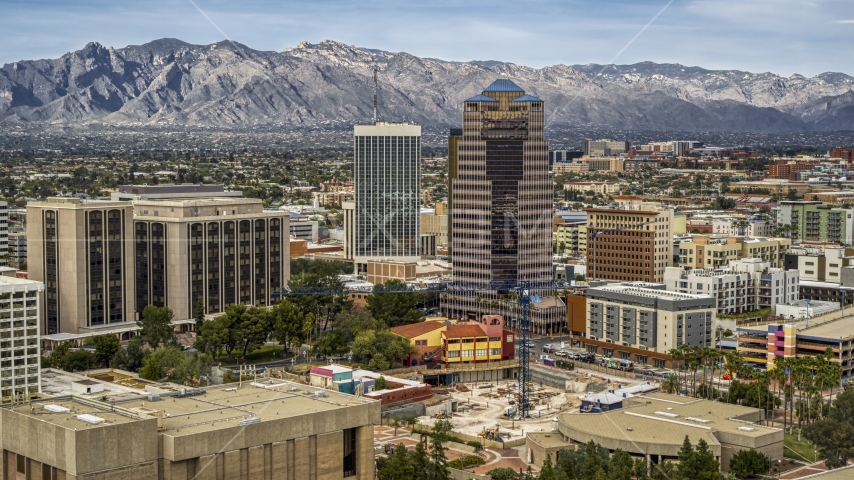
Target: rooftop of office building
643 289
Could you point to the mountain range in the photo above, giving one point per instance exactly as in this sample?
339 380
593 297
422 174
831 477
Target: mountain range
227 85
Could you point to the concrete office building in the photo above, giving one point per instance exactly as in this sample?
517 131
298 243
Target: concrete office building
81 251
267 430
226 251
641 322
629 241
130 193
653 426
502 207
387 173
302 228
605 147
435 222
20 356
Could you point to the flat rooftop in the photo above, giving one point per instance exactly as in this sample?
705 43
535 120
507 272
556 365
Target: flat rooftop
67 411
226 405
837 329
666 419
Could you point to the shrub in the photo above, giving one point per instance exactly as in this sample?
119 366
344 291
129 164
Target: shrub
465 462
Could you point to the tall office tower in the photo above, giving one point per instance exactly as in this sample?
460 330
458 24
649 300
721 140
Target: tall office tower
79 250
4 233
387 172
454 137
502 208
226 251
19 322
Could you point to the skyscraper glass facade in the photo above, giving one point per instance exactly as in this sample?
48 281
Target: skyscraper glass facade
387 171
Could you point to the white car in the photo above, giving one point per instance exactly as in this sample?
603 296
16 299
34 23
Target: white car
548 345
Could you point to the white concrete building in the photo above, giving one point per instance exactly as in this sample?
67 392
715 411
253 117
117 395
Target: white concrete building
20 353
745 286
756 226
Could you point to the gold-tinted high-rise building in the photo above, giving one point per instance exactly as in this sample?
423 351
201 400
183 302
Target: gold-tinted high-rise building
502 207
454 137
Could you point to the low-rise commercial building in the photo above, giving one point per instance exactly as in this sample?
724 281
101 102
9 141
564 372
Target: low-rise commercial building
477 342
602 188
270 429
655 425
426 338
641 322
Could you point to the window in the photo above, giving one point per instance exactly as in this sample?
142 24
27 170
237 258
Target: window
657 363
641 358
350 452
45 472
510 338
467 353
481 352
22 464
454 354
495 351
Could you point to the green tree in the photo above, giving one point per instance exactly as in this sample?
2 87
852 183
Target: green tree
548 472
381 349
834 435
398 467
502 473
57 355
707 466
380 384
687 461
394 308
420 462
106 347
621 465
175 365
199 311
591 468
665 470
253 329
77 361
156 326
747 463
438 467
288 324
131 357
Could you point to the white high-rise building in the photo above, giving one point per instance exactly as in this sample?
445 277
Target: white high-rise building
4 233
387 173
20 354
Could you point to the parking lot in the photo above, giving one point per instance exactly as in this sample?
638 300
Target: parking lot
559 347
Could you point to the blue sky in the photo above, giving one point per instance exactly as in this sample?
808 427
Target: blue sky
779 36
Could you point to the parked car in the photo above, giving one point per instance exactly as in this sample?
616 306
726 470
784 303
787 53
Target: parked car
531 345
665 374
548 345
649 372
561 353
548 349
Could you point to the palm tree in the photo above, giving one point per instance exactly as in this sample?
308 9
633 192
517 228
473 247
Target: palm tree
671 384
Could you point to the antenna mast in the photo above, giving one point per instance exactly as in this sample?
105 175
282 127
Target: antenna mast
375 95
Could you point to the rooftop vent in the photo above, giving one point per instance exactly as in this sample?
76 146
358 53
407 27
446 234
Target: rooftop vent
56 408
90 419
698 420
745 429
250 421
320 393
667 414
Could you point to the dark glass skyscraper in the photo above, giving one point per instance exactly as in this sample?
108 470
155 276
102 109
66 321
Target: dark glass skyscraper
502 205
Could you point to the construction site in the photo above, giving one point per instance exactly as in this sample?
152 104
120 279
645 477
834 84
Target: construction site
487 410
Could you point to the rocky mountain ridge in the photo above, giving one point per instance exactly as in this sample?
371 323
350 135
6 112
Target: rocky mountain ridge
228 85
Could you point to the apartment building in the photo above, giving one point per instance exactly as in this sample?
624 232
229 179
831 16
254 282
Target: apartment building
817 221
629 241
744 286
710 251
641 322
18 247
4 233
225 251
604 164
20 356
571 238
753 226
602 188
82 252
